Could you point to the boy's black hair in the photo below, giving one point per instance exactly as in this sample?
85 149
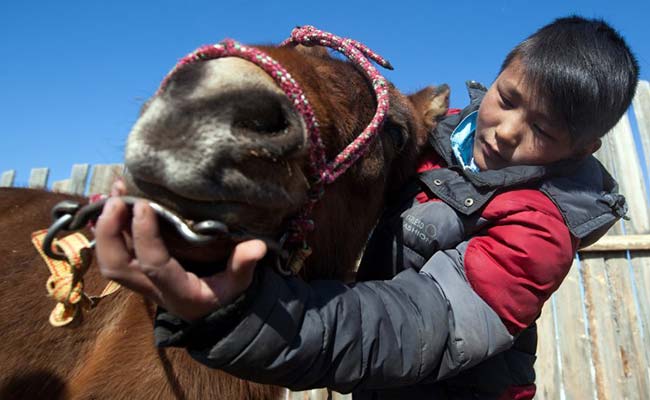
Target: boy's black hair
583 70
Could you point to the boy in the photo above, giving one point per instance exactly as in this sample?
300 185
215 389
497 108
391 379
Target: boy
458 268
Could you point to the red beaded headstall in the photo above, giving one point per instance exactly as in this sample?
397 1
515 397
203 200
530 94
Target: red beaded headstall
322 171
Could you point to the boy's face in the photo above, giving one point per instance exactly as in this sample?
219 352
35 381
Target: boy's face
514 129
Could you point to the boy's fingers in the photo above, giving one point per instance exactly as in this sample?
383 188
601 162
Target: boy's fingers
132 278
244 258
149 247
175 286
118 188
112 251
226 286
113 256
152 254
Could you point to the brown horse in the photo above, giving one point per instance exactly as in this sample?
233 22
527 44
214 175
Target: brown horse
221 142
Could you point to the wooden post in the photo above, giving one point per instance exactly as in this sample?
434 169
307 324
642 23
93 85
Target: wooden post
103 176
617 318
641 269
629 353
76 184
78 178
575 349
62 186
547 367
38 178
626 168
606 156
641 105
604 347
7 179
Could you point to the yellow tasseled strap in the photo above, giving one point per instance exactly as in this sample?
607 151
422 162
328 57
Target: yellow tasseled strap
65 284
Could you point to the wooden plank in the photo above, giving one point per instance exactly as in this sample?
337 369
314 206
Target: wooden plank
619 243
641 105
620 372
575 351
598 303
626 169
629 313
103 177
62 186
38 178
547 368
641 269
606 156
78 177
8 177
635 383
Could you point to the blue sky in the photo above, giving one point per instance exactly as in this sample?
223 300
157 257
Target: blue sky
73 74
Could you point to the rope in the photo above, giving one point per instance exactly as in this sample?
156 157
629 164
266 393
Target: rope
65 284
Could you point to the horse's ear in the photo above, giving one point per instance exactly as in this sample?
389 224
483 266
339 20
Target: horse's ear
432 104
317 51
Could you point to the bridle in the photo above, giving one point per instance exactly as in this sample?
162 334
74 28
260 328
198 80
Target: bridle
321 171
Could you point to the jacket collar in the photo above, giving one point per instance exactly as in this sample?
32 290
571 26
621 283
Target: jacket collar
440 139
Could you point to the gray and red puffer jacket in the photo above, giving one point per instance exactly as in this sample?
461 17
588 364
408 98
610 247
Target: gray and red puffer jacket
454 276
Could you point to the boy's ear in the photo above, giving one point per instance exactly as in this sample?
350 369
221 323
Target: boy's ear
589 149
596 145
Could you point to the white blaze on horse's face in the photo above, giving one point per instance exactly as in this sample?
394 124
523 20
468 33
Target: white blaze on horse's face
231 73
221 131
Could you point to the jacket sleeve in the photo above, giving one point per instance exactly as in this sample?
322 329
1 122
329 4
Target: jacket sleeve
521 258
459 310
417 327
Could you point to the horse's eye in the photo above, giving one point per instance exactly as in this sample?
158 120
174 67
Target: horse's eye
396 133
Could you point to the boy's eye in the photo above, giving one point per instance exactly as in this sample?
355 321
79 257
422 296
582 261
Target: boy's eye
542 132
506 102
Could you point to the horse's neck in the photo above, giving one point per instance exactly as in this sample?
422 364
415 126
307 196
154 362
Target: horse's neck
339 239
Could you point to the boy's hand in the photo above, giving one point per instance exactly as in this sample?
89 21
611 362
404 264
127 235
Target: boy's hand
146 266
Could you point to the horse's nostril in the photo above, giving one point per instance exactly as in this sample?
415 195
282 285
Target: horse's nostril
260 117
261 125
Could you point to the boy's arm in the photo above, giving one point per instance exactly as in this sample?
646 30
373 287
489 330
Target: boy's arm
416 327
323 335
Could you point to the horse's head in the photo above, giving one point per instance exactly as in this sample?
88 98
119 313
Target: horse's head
222 141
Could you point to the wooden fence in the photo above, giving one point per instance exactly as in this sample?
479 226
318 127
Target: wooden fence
100 182
595 330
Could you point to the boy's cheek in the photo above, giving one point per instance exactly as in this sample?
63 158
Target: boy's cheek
477 154
479 161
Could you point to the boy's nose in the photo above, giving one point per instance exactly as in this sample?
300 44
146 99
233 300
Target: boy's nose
508 133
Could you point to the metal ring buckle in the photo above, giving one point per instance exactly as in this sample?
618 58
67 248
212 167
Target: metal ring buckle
70 216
